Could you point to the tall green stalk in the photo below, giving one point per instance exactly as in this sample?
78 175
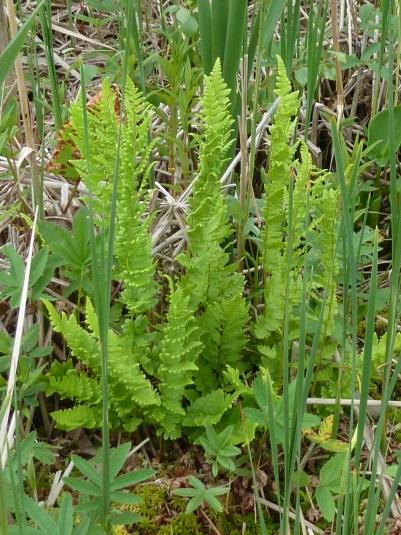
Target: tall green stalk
46 24
102 265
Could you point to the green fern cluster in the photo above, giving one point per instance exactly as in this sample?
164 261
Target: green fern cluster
300 210
168 374
176 371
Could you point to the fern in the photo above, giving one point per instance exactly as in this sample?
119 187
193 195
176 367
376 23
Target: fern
130 390
77 417
314 222
64 380
179 374
134 246
97 167
211 283
276 185
95 160
179 351
208 409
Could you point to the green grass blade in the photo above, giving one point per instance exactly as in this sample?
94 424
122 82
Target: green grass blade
273 16
135 32
219 28
314 45
350 268
236 26
45 21
205 35
15 46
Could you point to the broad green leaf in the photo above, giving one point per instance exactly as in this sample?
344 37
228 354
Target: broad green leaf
256 415
187 22
326 503
378 132
330 474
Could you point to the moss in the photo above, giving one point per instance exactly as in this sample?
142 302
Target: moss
182 524
164 514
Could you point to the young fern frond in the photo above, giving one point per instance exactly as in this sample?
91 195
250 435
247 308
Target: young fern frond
314 219
134 245
276 185
95 162
207 220
96 166
179 352
211 283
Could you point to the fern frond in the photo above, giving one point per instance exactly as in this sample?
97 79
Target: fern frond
83 345
179 351
209 409
133 245
210 282
130 389
128 382
207 220
65 380
96 167
276 184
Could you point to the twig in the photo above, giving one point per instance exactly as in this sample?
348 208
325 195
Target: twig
210 522
349 402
